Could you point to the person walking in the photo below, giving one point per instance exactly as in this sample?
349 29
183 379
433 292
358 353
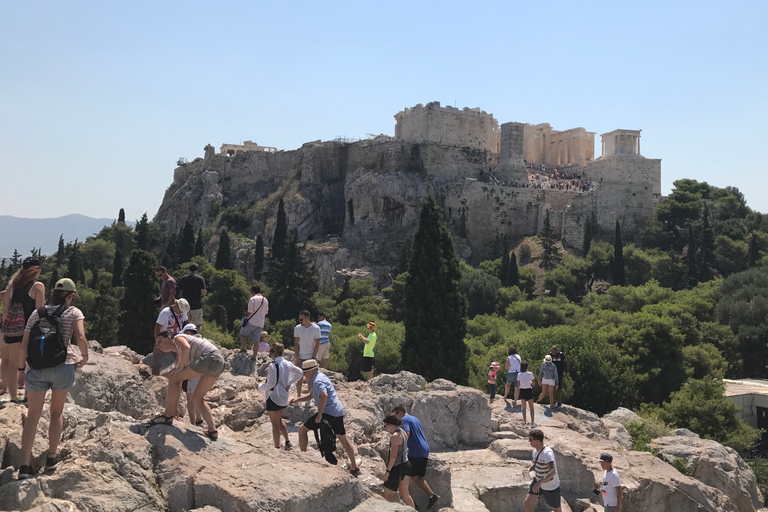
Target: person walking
611 488
492 371
195 357
43 373
546 482
167 288
306 341
370 344
418 451
525 388
189 385
396 479
329 408
558 358
324 351
513 367
192 288
548 380
253 322
281 375
23 295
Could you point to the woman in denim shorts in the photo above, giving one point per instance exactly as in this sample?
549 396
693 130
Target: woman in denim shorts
195 357
59 379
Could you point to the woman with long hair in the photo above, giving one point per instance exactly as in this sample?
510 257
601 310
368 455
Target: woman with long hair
23 295
281 375
397 478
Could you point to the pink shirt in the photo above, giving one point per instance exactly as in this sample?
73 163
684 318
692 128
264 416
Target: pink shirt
492 377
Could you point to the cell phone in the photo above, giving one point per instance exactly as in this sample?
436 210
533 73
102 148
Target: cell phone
596 492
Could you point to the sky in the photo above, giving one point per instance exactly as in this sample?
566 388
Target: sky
98 100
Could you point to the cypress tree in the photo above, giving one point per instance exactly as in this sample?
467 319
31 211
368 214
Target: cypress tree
754 249
504 269
258 258
587 238
121 216
281 233
60 251
346 293
224 254
142 233
706 247
117 268
74 269
514 274
94 279
551 255
436 311
54 279
199 242
618 258
187 244
296 282
138 312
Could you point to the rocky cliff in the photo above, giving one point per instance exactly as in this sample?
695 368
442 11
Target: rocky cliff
111 462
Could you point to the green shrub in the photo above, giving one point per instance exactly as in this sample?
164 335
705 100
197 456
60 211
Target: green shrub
219 336
759 466
680 465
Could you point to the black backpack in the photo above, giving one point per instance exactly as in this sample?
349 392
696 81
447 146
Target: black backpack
326 441
47 347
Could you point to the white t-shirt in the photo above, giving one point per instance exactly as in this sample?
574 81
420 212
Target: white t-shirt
258 305
169 323
307 337
611 481
514 363
547 456
525 379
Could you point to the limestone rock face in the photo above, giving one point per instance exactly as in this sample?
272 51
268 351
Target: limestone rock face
623 416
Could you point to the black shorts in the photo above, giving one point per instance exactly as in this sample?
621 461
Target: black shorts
184 385
526 394
337 423
10 340
418 466
367 364
272 406
397 474
551 497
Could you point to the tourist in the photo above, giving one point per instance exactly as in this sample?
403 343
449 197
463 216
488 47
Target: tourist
548 380
396 479
492 380
253 322
167 288
418 451
262 345
47 374
192 288
328 408
281 375
23 295
558 358
195 357
324 351
525 389
370 344
611 488
189 385
513 367
546 482
173 317
306 341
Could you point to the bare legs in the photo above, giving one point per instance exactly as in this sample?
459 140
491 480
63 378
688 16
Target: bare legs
547 389
423 485
278 427
34 411
530 406
8 367
402 490
304 442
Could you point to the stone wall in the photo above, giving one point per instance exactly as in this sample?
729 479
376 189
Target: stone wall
628 169
469 127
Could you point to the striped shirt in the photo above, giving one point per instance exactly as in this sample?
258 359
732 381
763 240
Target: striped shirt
325 331
198 347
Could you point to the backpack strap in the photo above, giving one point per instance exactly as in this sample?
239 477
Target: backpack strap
277 379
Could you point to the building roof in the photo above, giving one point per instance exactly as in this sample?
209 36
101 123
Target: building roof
746 387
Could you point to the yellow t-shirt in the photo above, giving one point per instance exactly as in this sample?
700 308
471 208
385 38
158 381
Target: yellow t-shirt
368 350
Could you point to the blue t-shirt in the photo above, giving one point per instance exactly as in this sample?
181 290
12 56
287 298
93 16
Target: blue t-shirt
322 384
325 331
417 444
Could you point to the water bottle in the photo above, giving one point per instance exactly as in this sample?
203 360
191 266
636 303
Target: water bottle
42 344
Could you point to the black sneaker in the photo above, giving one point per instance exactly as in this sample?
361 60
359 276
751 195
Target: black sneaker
288 445
432 500
52 462
26 472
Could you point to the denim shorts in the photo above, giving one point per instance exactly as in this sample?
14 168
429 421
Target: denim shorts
512 379
251 331
211 364
58 378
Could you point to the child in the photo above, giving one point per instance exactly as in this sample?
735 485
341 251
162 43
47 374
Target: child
492 379
525 383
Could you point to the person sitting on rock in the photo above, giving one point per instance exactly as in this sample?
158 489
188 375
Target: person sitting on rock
262 345
328 408
281 375
398 468
195 357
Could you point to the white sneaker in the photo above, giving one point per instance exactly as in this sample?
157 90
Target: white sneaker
534 424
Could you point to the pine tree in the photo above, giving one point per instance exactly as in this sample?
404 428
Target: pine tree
618 258
121 217
754 249
138 312
187 244
551 255
60 251
693 272
281 233
436 311
513 278
504 269
117 268
199 242
224 254
142 233
258 258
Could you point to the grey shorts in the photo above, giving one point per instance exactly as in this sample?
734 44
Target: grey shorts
610 508
251 331
58 378
211 364
512 379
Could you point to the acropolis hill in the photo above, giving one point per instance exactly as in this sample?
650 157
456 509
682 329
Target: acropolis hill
489 180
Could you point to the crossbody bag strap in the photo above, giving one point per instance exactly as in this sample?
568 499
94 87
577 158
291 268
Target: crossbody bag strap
257 310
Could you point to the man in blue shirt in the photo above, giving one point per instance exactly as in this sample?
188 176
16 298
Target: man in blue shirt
328 408
324 351
418 451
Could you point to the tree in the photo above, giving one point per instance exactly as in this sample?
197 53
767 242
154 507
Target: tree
117 268
74 269
54 279
587 237
187 243
436 311
295 284
228 298
618 258
142 233
706 247
513 277
60 251
551 255
504 269
281 233
94 279
121 216
138 312
480 289
258 258
199 242
224 254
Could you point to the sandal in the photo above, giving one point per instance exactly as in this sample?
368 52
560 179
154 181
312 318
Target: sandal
213 436
199 423
160 419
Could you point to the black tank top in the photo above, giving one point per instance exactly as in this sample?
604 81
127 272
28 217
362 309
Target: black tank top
27 303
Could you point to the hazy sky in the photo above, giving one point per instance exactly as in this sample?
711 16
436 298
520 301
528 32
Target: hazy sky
99 99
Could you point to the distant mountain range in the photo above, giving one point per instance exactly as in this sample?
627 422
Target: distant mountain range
24 234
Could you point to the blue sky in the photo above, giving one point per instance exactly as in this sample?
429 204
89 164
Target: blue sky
99 99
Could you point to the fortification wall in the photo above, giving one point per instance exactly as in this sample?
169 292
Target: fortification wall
627 169
468 127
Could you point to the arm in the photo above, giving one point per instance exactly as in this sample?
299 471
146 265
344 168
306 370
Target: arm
317 347
304 398
271 379
39 294
618 498
158 329
506 365
394 443
294 376
321 401
546 478
22 362
203 292
82 343
182 354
